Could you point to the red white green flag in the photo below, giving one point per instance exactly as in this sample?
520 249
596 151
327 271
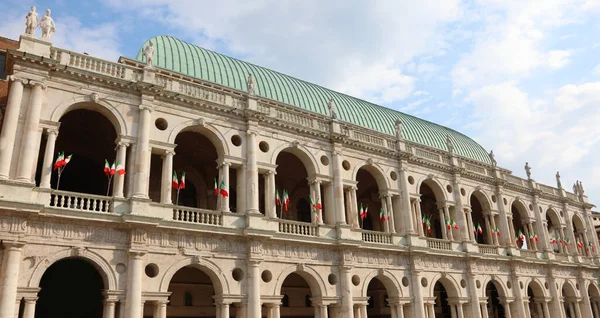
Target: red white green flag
216 189
112 169
479 229
453 224
286 200
223 190
120 169
59 160
381 215
106 167
175 181
363 211
182 181
277 197
315 207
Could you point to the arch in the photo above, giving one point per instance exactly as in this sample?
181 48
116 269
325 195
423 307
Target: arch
449 283
312 277
101 106
376 171
216 275
301 152
102 266
536 287
568 289
499 284
208 130
484 200
553 216
435 185
391 283
578 223
592 289
520 206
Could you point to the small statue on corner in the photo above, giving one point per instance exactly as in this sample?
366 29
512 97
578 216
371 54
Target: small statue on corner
558 183
251 84
399 129
580 187
493 158
575 188
31 21
331 107
47 25
149 55
449 144
528 170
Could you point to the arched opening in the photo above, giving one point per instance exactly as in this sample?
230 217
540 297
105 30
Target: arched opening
494 307
291 179
481 229
297 294
519 215
441 308
70 288
570 300
553 228
367 196
192 294
430 210
594 296
85 171
378 300
537 301
580 239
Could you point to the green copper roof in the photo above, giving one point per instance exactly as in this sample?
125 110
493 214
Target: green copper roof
179 56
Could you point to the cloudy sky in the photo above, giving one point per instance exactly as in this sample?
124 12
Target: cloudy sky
522 77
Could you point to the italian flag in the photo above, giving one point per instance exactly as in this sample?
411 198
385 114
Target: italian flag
120 169
175 181
453 224
448 225
498 231
216 189
316 206
277 197
61 161
521 236
106 167
222 190
479 230
112 169
553 240
363 212
182 181
286 200
381 215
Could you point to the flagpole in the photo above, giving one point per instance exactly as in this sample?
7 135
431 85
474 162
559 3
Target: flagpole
58 182
109 180
177 198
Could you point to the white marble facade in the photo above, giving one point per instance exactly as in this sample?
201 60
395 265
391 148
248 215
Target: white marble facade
128 233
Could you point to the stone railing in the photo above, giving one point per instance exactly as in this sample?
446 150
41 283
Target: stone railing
529 253
439 244
197 91
547 189
298 228
561 257
92 64
79 201
473 168
198 216
294 118
376 237
368 138
514 180
427 155
487 249
572 196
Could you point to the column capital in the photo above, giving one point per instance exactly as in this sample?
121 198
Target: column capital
123 144
16 78
52 131
13 246
146 107
251 132
168 153
137 254
42 84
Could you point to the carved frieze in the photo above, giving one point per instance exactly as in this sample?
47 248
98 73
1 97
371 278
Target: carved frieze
76 232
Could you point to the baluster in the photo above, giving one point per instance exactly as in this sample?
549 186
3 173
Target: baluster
52 199
60 199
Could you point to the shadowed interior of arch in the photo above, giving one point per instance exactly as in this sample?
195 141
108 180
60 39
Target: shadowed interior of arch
536 298
70 288
493 306
368 196
378 299
292 177
519 216
553 227
90 137
296 297
478 221
441 307
429 209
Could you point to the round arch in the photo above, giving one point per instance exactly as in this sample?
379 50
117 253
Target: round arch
101 106
207 130
500 286
569 289
98 262
217 277
553 216
483 199
520 206
388 280
301 152
312 277
592 289
578 223
536 287
435 185
376 171
449 283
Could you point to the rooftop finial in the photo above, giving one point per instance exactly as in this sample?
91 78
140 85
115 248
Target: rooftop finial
558 183
493 158
449 144
528 170
331 107
251 84
149 55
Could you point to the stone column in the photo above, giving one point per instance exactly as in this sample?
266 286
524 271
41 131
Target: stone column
507 236
484 312
142 158
273 311
353 208
468 217
251 175
443 226
493 224
240 310
224 310
119 181
385 224
540 311
323 311
418 309
447 213
585 300
29 141
452 310
9 126
356 312
475 312
330 210
224 170
458 207
488 226
363 310
133 296
241 190
29 307
400 311
9 278
572 310
405 208
270 204
167 177
417 203
542 230
595 309
391 211
431 310
254 306
577 305
315 192
532 242
338 188
511 229
109 309
554 293
48 158
506 305
459 310
346 309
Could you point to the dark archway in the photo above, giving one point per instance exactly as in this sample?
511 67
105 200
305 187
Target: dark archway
479 222
441 307
494 307
536 297
292 179
429 210
192 294
298 297
90 137
519 214
70 288
553 228
367 196
378 300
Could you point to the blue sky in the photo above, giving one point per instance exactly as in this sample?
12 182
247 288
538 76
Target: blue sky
521 77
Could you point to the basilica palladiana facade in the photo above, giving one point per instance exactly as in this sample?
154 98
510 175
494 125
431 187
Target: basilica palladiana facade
185 183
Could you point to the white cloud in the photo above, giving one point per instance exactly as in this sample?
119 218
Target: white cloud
558 58
596 69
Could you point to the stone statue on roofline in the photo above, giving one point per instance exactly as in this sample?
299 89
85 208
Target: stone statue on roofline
580 187
558 183
449 144
528 170
251 84
31 21
331 106
493 158
47 25
575 186
398 129
149 55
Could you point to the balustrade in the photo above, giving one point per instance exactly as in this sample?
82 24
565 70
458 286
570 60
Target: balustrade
198 216
376 237
298 228
439 244
79 201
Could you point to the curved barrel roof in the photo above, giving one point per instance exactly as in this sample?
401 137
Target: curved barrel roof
179 56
